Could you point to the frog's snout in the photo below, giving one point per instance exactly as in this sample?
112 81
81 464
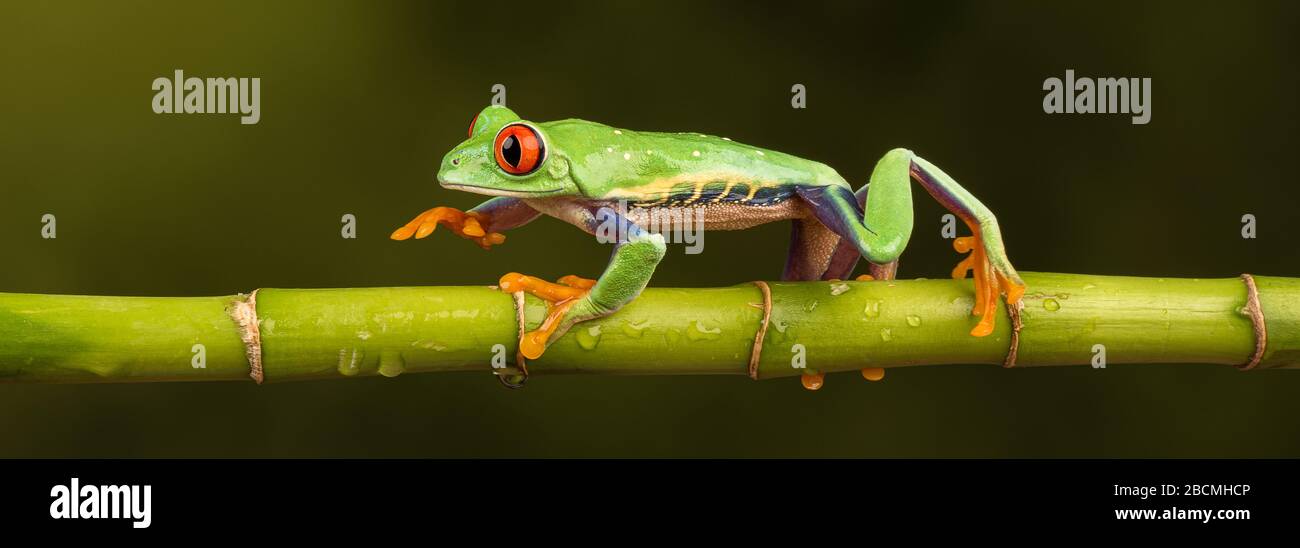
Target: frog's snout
450 176
451 169
458 172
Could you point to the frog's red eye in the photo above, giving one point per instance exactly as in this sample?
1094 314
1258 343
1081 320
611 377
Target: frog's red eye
519 149
472 121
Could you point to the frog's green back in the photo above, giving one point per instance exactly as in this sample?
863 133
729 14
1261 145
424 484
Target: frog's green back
678 168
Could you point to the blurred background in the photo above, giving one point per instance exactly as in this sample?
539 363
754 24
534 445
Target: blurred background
361 99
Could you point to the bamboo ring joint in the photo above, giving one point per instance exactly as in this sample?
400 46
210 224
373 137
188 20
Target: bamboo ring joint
1256 314
244 312
519 354
1013 311
757 352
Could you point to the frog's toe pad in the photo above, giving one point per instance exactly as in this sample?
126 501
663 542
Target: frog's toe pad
813 381
873 373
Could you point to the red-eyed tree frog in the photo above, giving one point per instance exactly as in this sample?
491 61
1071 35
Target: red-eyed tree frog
592 175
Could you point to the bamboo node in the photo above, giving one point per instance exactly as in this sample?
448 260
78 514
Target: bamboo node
519 354
1256 314
1013 311
757 352
244 312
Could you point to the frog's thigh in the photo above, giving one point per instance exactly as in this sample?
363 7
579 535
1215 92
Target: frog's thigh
838 209
846 254
811 248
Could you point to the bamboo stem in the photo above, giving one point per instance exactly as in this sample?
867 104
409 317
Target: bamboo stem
841 326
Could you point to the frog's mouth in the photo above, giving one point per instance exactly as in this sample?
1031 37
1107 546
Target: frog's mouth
488 191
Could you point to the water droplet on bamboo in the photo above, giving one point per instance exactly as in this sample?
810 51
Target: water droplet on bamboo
1051 305
589 338
672 336
913 320
701 332
779 331
872 309
391 364
350 361
635 330
886 335
839 288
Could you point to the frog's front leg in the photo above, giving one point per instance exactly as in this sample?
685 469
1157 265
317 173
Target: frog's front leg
574 299
483 224
881 233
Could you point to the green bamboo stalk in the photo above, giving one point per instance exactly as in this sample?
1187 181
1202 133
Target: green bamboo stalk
842 326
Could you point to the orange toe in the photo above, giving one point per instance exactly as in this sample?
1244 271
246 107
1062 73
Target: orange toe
466 224
559 298
1015 291
471 227
402 233
577 281
542 289
813 381
987 282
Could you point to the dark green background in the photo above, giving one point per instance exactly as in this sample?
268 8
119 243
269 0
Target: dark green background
361 99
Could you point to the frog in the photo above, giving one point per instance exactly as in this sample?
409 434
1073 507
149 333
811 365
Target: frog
609 182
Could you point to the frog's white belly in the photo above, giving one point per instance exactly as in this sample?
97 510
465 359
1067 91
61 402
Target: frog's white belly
712 216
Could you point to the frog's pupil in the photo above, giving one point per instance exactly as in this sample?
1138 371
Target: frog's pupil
510 151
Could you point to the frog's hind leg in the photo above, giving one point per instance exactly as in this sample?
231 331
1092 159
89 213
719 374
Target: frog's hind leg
881 231
818 253
988 261
846 255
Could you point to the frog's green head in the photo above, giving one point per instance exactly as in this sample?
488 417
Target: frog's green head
507 156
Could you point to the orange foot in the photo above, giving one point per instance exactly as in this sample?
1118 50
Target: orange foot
468 225
559 297
813 381
989 283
